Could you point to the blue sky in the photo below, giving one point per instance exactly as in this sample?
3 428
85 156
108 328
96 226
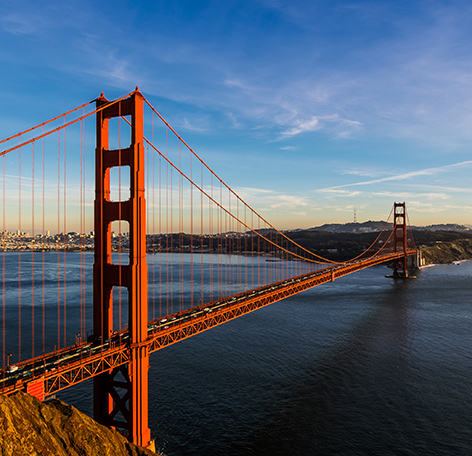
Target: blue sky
307 109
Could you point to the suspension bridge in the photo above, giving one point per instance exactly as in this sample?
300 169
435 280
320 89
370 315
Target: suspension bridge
167 250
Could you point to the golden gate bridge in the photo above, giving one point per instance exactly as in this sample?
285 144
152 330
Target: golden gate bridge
175 252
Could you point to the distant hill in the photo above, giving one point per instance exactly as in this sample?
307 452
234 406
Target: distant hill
437 246
365 227
373 226
445 227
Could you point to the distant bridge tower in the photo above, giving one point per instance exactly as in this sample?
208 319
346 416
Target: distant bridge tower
400 266
111 407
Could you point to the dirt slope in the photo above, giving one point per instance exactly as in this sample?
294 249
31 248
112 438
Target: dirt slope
31 427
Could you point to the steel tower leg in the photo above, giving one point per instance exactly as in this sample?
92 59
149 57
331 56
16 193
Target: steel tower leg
400 266
121 395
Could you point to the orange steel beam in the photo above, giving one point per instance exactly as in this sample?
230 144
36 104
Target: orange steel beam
119 354
65 374
107 400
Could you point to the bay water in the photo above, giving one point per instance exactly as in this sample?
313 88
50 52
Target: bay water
364 365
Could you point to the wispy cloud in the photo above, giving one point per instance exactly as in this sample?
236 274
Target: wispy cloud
428 84
343 128
297 108
419 206
239 84
344 208
192 127
302 126
409 175
246 192
288 201
107 63
331 192
442 188
234 121
408 195
362 172
270 199
24 23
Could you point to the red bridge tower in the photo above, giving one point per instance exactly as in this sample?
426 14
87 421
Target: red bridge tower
121 395
400 267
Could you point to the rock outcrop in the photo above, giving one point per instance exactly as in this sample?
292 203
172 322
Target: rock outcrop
31 427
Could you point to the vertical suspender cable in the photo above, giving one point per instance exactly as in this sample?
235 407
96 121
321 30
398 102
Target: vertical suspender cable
201 234
153 224
191 233
245 249
4 266
238 231
84 337
57 244
119 217
229 249
253 254
19 255
65 238
226 266
43 256
160 237
171 242
81 231
210 232
32 250
219 252
258 256
181 229
180 236
148 215
167 227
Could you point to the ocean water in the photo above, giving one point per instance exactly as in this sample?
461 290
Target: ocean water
364 365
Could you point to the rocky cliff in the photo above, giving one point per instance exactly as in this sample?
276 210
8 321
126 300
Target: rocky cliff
31 427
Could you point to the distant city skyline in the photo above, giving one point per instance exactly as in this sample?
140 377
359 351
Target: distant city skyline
308 110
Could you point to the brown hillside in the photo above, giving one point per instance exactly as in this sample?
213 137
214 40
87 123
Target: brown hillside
30 427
